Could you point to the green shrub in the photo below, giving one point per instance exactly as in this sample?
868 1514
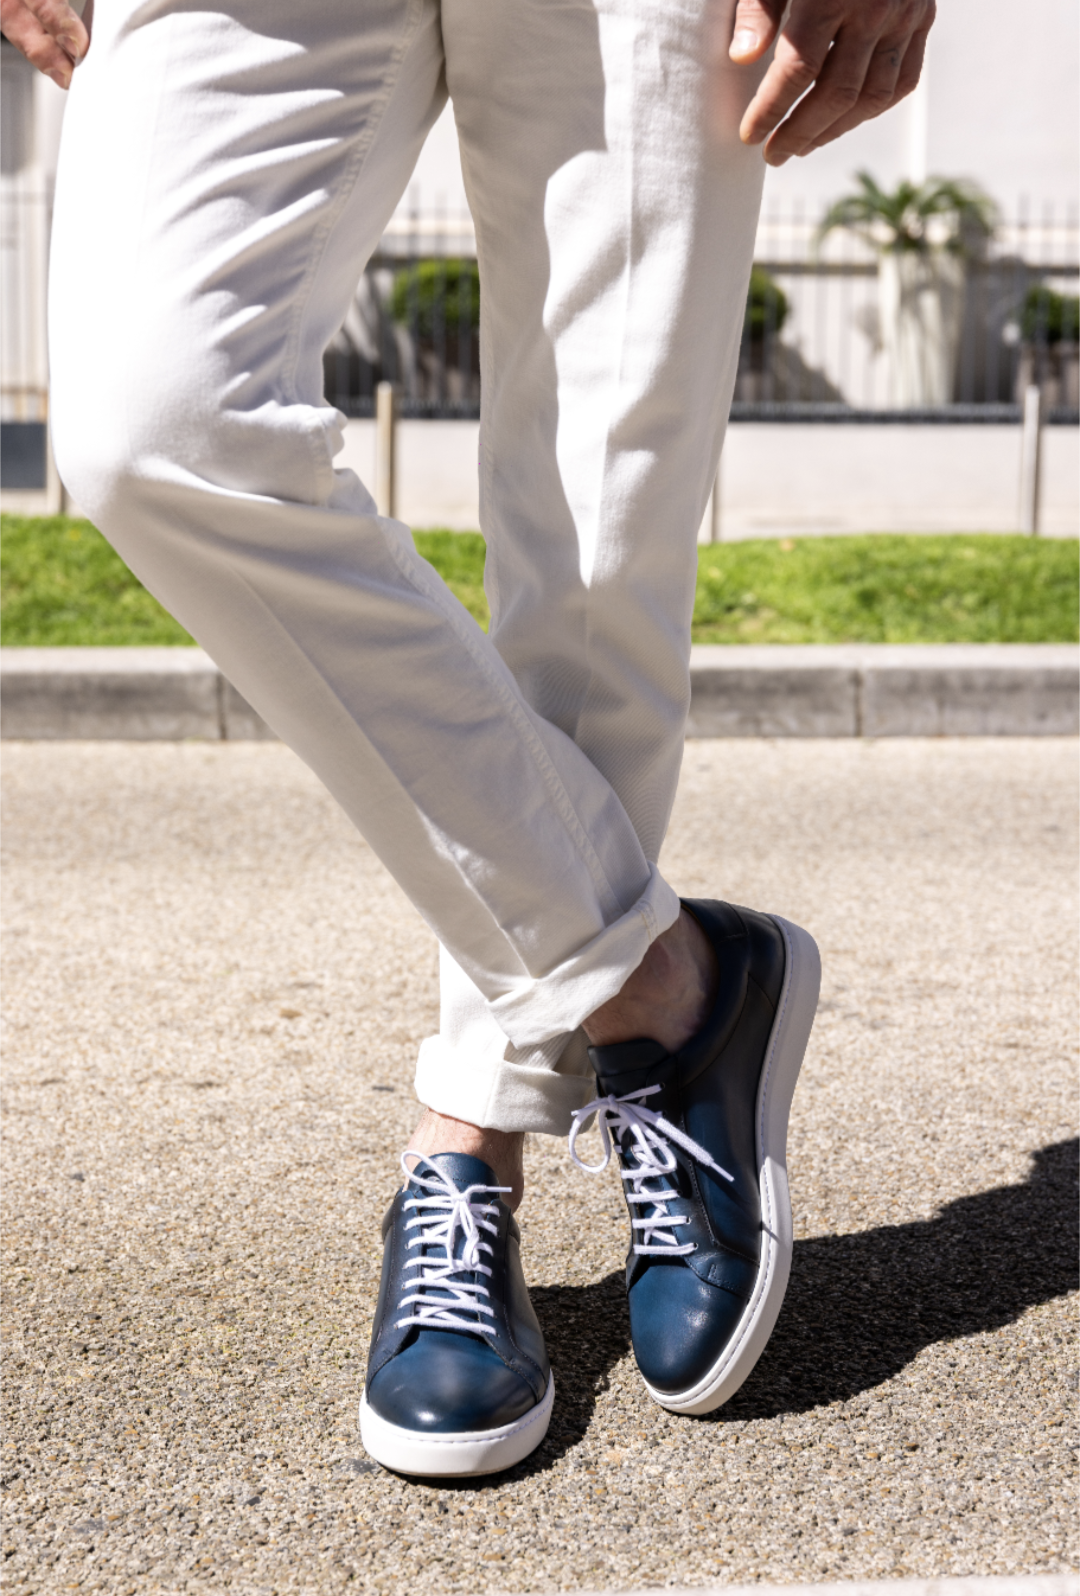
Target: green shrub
1049 317
766 306
420 290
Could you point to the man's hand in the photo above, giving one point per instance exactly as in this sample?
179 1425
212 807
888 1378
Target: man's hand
49 33
856 57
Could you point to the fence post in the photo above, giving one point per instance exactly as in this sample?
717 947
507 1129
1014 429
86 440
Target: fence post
1031 460
386 449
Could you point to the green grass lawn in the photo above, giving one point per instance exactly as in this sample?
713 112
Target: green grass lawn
889 589
62 584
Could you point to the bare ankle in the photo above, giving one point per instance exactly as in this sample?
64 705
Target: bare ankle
502 1151
668 996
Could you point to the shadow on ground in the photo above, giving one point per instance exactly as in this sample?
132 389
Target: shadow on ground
861 1307
587 1330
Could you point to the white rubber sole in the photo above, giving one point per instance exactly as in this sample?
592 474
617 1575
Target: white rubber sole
462 1454
783 1060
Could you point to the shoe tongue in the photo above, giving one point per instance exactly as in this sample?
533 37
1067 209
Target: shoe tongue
462 1169
619 1065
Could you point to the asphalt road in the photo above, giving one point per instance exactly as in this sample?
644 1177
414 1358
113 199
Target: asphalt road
214 996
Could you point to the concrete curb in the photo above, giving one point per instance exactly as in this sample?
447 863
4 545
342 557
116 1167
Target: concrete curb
885 690
973 1585
952 690
121 694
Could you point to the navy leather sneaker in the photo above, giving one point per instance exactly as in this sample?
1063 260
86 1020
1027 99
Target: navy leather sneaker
458 1380
701 1136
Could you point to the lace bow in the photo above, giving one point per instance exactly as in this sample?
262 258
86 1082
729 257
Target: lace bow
654 1159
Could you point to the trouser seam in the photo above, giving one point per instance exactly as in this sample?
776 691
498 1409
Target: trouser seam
540 756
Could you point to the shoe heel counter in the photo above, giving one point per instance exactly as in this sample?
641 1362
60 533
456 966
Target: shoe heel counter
767 953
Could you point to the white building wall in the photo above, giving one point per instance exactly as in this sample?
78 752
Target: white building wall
786 480
1001 105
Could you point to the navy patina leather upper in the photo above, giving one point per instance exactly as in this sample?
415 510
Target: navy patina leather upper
452 1381
682 1309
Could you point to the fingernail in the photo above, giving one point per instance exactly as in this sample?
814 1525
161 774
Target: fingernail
71 46
61 78
744 42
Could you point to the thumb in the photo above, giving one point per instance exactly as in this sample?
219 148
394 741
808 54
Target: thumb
755 28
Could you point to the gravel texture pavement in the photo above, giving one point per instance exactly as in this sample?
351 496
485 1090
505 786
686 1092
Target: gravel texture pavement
955 1585
214 996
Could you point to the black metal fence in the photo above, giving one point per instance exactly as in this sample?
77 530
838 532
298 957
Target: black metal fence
819 341
25 214
415 323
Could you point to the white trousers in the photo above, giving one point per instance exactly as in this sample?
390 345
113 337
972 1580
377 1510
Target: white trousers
226 172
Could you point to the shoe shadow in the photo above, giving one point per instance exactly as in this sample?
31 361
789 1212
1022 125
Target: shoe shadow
587 1331
861 1307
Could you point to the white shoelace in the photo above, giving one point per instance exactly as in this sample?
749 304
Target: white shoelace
441 1215
655 1159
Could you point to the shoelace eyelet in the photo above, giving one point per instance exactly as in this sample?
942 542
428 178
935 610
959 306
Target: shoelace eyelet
454 1211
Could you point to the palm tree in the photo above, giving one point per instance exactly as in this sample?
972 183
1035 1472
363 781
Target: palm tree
923 233
903 221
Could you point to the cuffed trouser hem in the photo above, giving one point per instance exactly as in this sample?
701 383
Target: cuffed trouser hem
472 1070
493 1091
537 1009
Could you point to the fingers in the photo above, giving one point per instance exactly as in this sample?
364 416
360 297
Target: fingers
756 22
837 63
64 25
906 80
48 32
859 75
24 31
800 56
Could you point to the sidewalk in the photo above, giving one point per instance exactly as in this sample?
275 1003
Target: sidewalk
951 690
214 996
